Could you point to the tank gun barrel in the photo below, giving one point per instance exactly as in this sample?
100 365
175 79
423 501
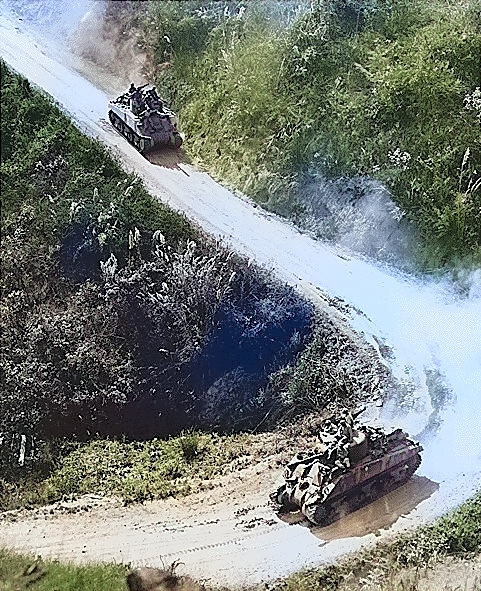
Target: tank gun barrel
358 412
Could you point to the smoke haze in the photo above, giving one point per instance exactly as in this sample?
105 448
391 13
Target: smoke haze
359 215
98 49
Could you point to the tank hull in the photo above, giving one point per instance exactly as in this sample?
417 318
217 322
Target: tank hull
145 122
326 486
334 508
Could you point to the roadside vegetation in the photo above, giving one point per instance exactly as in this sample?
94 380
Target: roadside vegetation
19 573
271 95
134 471
115 310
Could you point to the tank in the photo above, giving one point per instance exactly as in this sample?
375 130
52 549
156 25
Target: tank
352 466
143 118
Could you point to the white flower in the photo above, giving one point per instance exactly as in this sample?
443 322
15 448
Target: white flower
399 159
472 102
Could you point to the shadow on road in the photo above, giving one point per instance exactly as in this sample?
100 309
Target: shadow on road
168 158
381 514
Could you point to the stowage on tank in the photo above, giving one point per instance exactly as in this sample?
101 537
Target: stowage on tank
142 117
352 466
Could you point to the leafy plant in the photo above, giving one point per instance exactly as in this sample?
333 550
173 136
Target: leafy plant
190 445
341 89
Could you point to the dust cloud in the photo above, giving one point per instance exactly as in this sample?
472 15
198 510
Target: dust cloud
435 338
431 327
54 19
89 34
358 214
100 40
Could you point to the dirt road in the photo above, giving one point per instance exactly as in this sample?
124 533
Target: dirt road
230 535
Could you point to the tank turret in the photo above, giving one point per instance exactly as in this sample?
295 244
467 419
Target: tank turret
351 467
143 118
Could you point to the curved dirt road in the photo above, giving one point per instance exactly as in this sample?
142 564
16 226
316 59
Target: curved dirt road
230 535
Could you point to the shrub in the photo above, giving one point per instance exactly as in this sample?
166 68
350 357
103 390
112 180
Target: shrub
342 90
190 445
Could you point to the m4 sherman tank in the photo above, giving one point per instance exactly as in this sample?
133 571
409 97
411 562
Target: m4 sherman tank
352 467
142 117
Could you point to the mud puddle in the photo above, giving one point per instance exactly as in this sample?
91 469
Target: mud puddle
377 516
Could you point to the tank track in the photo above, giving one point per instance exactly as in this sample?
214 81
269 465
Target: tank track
330 511
133 138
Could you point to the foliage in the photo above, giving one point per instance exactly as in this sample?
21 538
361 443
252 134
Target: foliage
118 318
133 471
22 572
61 348
389 104
189 443
457 533
386 89
328 372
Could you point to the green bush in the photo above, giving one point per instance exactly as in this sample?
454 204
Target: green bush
457 533
348 88
133 471
190 445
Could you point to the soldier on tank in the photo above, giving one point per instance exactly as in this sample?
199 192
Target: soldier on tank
347 425
153 100
138 103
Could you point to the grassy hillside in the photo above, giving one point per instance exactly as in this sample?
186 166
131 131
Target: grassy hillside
116 313
122 323
390 90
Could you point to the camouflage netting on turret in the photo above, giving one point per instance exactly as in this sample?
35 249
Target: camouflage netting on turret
311 476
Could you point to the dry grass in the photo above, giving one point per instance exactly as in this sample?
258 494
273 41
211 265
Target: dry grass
449 575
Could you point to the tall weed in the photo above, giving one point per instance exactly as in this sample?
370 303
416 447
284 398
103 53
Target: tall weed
343 89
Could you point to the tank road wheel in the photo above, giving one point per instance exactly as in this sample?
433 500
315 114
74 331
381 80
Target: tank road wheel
280 497
317 514
116 122
344 509
411 465
133 139
177 140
